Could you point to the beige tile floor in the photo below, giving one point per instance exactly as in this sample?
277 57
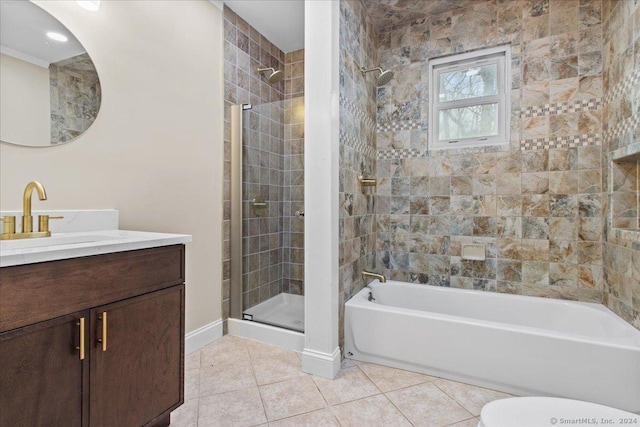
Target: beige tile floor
239 382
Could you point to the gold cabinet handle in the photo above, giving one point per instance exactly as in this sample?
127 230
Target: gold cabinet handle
81 346
103 339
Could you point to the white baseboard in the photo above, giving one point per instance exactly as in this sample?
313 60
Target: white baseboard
268 334
324 365
203 336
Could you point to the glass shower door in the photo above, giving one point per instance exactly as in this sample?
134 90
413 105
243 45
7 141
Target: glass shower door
271 217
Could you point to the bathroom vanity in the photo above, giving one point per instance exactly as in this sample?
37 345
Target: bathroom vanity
92 332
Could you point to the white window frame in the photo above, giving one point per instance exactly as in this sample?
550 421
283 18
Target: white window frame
500 55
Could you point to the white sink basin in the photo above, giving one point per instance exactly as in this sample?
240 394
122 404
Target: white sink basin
54 240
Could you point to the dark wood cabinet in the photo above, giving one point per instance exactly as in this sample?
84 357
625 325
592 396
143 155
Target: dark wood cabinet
133 365
41 375
143 343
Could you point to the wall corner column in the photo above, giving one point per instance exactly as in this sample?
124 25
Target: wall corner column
321 354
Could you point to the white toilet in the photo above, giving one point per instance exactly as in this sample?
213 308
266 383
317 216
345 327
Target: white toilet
551 411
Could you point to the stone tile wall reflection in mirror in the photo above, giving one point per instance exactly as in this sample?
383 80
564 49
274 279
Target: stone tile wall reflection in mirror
49 91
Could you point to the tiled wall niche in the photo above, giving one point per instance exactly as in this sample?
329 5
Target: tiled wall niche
537 203
621 58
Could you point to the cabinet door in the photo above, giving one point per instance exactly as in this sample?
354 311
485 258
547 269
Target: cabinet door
138 375
41 374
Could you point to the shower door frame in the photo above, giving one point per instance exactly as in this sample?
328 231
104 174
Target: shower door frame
235 280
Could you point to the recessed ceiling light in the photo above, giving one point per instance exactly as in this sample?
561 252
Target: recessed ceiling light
92 5
57 36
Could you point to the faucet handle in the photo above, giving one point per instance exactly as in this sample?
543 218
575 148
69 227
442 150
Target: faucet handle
9 222
43 222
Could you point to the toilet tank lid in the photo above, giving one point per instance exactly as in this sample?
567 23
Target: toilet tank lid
548 411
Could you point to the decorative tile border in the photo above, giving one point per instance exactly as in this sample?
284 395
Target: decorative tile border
396 126
628 125
399 154
623 86
360 146
560 142
560 108
351 107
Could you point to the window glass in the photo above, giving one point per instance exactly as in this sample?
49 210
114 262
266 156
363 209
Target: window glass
472 82
470 98
468 122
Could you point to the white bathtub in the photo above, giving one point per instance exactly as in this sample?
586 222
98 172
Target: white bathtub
517 344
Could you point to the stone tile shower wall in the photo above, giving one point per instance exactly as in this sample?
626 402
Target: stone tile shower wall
245 49
621 49
537 203
293 255
75 97
357 150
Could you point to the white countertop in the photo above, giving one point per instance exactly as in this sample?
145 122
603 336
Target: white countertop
78 234
80 244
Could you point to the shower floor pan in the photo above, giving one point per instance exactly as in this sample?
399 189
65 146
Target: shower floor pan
283 310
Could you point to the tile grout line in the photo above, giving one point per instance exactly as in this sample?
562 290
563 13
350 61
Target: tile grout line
453 398
255 378
387 397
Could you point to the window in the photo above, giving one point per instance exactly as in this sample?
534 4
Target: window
470 103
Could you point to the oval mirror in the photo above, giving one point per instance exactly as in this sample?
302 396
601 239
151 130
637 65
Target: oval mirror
49 87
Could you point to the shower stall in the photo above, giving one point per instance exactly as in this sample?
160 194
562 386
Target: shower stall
267 213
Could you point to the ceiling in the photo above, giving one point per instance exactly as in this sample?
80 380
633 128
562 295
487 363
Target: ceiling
386 13
23 28
280 21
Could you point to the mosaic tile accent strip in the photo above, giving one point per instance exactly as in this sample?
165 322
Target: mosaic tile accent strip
622 87
396 126
399 154
560 142
627 125
357 112
560 108
359 146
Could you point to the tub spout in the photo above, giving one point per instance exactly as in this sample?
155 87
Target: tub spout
380 277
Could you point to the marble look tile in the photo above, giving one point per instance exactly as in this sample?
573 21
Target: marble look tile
471 422
387 379
535 183
563 251
226 349
471 398
270 369
186 415
226 376
322 418
427 405
191 384
235 408
192 361
371 411
289 398
349 384
535 272
563 274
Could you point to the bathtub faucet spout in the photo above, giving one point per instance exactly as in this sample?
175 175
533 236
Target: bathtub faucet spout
380 277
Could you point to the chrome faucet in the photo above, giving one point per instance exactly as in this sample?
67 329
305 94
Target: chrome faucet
27 219
380 277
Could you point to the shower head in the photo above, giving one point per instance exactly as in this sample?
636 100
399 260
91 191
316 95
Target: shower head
383 78
272 77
